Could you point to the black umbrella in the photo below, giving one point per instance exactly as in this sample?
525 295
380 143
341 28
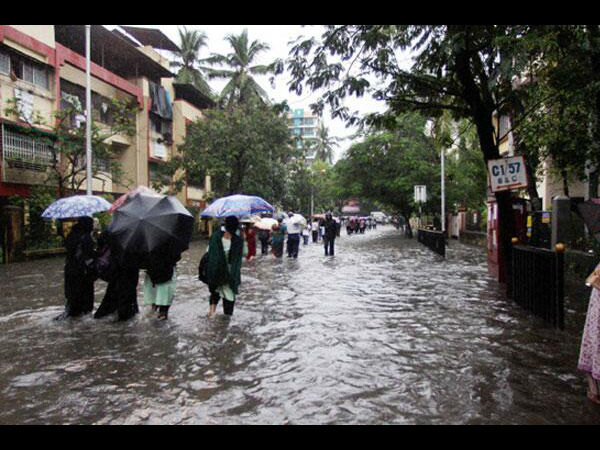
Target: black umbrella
590 213
151 225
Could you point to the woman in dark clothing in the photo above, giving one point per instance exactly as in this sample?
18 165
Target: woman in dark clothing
121 292
79 272
226 249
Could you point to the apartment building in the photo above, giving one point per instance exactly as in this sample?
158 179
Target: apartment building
303 126
44 66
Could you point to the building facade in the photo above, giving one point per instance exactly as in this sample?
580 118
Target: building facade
43 66
303 126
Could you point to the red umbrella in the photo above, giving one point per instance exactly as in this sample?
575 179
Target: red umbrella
123 198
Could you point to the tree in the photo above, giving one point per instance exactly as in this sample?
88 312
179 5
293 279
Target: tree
245 149
562 93
67 141
465 69
324 145
240 69
386 165
190 44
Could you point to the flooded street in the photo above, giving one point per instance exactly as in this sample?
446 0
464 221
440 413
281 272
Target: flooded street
384 332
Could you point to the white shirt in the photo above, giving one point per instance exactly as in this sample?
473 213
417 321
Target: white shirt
294 227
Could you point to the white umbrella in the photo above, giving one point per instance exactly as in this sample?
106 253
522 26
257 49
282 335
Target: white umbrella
266 223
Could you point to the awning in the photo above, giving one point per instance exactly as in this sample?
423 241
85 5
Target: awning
151 36
111 51
193 95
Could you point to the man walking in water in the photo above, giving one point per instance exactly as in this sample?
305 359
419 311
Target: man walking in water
294 228
330 234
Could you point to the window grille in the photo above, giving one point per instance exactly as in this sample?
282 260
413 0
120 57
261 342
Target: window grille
25 152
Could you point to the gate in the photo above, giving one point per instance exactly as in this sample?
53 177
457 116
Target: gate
537 282
435 240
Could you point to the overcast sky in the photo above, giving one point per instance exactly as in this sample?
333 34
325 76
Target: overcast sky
277 37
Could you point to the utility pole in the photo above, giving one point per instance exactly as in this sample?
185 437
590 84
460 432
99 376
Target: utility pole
443 194
88 112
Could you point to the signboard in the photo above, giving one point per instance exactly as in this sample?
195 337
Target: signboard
420 194
507 173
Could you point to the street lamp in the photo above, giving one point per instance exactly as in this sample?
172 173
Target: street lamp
88 107
312 194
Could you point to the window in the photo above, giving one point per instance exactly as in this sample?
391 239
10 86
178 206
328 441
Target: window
27 72
40 77
4 63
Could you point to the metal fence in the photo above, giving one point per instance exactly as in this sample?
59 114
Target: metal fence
537 282
435 240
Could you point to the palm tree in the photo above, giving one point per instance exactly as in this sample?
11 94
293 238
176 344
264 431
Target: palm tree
191 42
324 144
241 86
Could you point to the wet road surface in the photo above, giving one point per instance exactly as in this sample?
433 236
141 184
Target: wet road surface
384 332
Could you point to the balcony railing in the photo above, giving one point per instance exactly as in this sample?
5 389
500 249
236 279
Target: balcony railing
25 152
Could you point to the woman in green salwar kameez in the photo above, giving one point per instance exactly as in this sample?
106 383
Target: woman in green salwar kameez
226 250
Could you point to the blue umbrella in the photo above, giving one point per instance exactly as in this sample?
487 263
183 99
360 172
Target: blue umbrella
237 205
75 206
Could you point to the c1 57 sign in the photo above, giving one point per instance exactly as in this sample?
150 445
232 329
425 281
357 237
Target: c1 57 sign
507 173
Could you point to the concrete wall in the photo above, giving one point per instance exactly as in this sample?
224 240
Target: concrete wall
552 185
43 33
43 99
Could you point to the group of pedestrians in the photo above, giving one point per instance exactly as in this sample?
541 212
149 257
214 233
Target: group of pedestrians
358 225
86 262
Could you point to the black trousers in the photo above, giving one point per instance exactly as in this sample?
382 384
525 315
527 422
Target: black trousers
315 235
121 295
329 244
214 300
264 246
293 244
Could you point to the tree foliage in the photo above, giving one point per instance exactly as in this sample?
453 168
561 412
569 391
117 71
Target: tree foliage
239 70
190 44
245 149
386 165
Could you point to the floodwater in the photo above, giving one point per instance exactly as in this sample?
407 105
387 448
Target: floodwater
384 332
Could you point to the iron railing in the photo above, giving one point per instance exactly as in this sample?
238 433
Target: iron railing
26 152
537 282
435 240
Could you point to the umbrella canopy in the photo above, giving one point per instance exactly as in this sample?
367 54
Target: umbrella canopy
75 206
123 198
296 218
237 205
590 213
266 223
250 219
149 224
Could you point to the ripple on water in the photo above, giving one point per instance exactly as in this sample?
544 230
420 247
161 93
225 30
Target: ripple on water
384 332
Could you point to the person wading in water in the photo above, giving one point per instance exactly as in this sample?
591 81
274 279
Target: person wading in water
226 249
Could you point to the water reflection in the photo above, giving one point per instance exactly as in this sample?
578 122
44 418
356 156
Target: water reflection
384 332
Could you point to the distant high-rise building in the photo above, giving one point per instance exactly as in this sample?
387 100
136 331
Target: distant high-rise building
303 126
